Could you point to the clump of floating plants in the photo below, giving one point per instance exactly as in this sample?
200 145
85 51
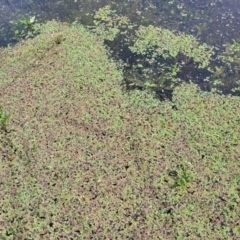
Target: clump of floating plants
170 52
154 42
108 24
158 54
226 72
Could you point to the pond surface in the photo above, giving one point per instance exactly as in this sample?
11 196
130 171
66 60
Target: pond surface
214 22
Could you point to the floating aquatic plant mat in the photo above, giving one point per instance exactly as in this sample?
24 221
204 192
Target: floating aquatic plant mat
80 159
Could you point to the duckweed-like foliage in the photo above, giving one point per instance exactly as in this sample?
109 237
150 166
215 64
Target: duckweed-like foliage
158 56
225 77
108 23
162 42
231 53
84 160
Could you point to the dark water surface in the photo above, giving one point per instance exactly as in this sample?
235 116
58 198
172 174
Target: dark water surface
215 22
212 21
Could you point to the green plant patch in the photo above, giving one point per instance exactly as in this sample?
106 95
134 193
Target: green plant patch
3 119
83 159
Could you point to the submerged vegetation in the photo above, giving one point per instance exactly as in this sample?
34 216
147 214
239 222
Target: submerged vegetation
82 159
24 28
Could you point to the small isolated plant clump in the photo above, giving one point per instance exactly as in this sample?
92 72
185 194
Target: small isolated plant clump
24 28
93 162
108 24
3 119
182 177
